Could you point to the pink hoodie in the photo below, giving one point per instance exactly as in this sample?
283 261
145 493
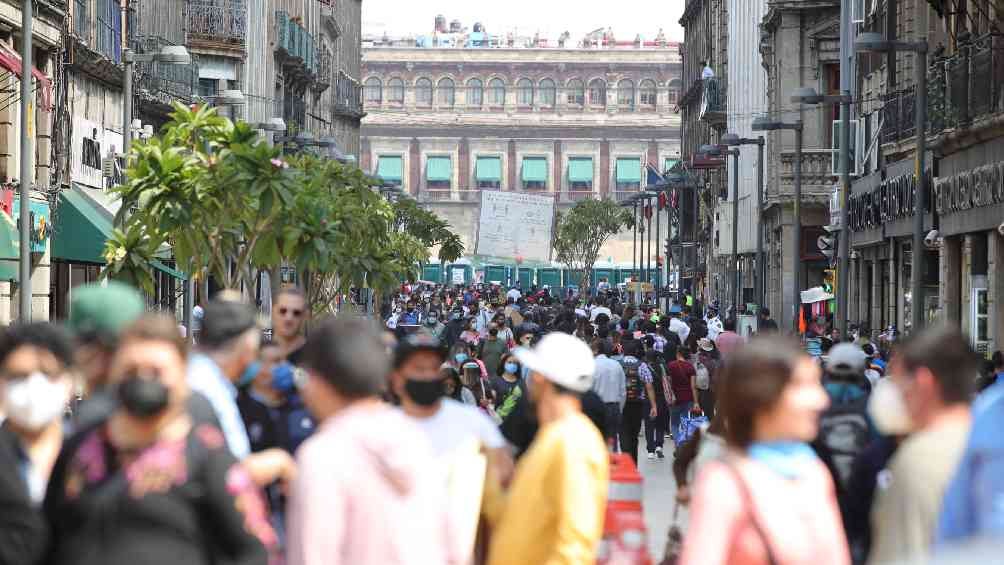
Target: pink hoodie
366 493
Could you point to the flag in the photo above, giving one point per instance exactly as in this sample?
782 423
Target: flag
654 176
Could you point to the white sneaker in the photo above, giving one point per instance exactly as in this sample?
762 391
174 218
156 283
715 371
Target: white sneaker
659 453
651 456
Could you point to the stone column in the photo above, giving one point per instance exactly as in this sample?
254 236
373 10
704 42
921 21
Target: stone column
787 313
951 280
876 315
965 318
414 166
851 280
557 168
366 161
605 167
995 292
513 179
464 165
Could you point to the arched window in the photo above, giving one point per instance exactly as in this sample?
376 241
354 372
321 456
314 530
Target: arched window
576 92
625 93
496 92
547 92
524 92
675 85
475 93
423 92
395 91
374 90
445 93
648 92
597 92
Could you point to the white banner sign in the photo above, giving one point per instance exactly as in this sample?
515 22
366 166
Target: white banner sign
515 224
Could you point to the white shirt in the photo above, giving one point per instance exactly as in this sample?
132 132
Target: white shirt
205 376
514 293
707 72
600 310
681 328
715 327
454 425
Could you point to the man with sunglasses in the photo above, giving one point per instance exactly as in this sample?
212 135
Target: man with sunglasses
289 311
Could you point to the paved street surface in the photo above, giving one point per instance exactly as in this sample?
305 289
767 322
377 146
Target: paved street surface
659 492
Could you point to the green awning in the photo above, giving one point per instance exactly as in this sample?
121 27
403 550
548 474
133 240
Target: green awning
9 251
629 170
488 169
170 271
670 163
534 169
390 167
439 169
82 230
580 169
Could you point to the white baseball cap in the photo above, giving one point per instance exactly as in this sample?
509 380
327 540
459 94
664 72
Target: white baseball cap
561 359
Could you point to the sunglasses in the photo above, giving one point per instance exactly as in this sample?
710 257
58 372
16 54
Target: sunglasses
295 313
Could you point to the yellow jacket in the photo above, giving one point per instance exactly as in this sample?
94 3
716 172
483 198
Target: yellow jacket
553 514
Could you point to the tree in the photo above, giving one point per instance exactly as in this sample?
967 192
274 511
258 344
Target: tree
582 231
428 228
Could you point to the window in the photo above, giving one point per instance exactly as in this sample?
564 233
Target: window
423 92
648 93
597 93
580 174
207 87
625 94
488 172
548 93
373 89
439 172
524 92
496 92
445 93
628 174
395 91
675 85
576 92
390 168
534 173
475 93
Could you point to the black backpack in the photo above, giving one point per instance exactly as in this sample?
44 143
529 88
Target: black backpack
844 432
635 388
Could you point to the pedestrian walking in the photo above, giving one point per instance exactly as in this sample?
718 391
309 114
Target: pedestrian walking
289 314
770 500
35 383
655 427
640 401
611 386
367 491
683 384
554 510
142 485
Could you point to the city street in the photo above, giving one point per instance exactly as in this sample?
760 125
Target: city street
659 493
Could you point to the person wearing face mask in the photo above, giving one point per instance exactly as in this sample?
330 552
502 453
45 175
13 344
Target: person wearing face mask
491 350
230 342
507 385
433 326
270 404
142 486
35 385
933 376
769 500
470 335
454 388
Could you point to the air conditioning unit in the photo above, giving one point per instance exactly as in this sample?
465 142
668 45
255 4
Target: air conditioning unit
108 167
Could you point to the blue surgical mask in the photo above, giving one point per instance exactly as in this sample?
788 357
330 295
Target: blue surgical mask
282 377
460 357
512 368
249 374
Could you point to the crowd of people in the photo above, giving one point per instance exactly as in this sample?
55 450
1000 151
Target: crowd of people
474 425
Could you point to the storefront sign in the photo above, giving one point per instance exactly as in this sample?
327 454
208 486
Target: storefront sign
976 188
38 219
891 200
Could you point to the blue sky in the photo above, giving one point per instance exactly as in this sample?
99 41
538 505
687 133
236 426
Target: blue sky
549 17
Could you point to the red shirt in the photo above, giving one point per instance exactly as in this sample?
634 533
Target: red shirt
680 375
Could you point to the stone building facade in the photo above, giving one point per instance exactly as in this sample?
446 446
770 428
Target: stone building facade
572 123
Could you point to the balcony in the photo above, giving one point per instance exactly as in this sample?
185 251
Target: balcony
100 30
294 113
817 175
714 102
163 84
348 97
325 62
578 195
217 24
297 47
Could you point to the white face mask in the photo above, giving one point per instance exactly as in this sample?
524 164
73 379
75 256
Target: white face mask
887 409
34 401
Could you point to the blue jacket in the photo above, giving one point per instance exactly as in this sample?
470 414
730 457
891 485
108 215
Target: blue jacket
974 500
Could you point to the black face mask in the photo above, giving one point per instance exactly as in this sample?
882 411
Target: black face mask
424 393
143 397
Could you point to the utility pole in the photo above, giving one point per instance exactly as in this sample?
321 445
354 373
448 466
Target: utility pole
27 109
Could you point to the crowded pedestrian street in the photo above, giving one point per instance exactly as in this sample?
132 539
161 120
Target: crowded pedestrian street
441 282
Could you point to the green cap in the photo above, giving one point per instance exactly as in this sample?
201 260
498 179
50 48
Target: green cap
101 312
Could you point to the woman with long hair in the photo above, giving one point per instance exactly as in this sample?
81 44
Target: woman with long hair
769 500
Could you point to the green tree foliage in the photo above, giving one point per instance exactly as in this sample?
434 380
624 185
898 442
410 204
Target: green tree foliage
429 229
582 231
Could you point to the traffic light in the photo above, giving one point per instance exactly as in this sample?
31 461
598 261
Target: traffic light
827 245
830 281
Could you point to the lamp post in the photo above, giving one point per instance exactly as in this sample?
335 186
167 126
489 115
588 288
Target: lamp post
170 55
24 217
874 43
271 127
736 278
733 140
231 99
766 124
809 96
632 203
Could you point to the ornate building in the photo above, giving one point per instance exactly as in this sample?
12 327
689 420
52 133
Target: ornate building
462 113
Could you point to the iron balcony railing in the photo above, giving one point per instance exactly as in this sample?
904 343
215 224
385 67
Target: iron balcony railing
100 28
221 21
963 87
714 100
296 42
162 82
348 96
294 113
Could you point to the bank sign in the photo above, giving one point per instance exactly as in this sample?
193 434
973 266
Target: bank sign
892 199
975 188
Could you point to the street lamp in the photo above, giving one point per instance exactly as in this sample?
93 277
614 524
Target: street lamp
715 151
763 123
230 98
733 140
874 42
808 95
170 55
632 202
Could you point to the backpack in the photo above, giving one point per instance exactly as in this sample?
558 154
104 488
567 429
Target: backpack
844 432
703 378
635 388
